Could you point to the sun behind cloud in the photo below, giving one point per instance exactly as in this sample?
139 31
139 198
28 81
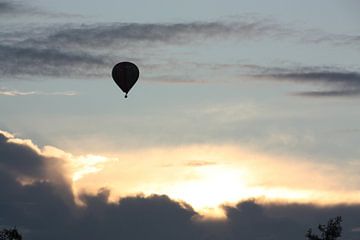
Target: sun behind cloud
204 176
207 176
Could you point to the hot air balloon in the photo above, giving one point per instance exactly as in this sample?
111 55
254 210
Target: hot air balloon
125 75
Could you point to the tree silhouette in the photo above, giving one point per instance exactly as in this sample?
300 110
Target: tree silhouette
10 234
331 231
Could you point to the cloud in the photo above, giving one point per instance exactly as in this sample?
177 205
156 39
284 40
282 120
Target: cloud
20 61
20 8
154 217
333 93
37 196
286 221
17 8
327 77
34 191
125 34
14 93
96 35
90 50
318 37
336 82
10 7
198 163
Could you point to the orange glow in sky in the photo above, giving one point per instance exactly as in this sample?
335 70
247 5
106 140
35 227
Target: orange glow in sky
208 176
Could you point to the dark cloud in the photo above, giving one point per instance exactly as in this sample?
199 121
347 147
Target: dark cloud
333 93
319 37
33 188
45 208
124 34
13 9
154 217
9 7
17 61
88 50
251 220
336 82
133 34
17 8
327 77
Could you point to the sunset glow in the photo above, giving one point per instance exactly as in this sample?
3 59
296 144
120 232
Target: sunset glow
209 176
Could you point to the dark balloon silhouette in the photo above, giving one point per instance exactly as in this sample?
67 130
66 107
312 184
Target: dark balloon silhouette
125 74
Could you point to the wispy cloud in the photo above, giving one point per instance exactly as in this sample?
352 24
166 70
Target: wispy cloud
125 34
14 93
328 77
331 93
19 8
36 61
319 36
336 82
88 50
199 163
10 7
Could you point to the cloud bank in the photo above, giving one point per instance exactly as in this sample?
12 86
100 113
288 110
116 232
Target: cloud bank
36 196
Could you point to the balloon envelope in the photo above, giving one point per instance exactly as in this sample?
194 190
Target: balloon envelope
125 75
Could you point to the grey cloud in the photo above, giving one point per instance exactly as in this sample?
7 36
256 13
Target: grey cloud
125 34
154 217
21 8
333 93
89 50
336 82
251 220
12 159
17 8
10 7
46 209
328 77
83 50
17 61
30 181
132 34
318 37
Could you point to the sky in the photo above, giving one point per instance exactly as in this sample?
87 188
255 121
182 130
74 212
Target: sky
245 114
